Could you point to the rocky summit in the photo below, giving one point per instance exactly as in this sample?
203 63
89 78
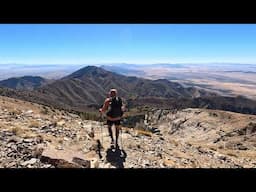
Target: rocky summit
37 136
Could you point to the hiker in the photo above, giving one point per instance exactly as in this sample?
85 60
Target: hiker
115 108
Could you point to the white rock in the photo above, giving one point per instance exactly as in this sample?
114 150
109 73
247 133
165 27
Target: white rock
29 112
108 165
65 139
61 123
59 147
47 166
94 163
28 140
29 162
37 116
85 150
32 161
12 164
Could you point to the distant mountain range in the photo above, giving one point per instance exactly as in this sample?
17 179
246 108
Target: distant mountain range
88 87
53 71
24 83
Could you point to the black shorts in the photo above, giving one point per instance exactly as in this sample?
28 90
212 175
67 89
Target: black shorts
110 123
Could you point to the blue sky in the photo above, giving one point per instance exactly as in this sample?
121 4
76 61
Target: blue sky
127 43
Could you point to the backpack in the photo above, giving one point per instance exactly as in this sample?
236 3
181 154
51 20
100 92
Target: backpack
115 107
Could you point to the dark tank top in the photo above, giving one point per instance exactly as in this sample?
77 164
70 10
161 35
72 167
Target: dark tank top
115 109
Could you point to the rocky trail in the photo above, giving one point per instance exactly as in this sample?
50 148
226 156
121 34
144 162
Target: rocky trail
35 136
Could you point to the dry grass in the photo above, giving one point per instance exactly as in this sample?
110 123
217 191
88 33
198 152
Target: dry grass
146 133
34 123
45 110
232 154
174 142
29 134
247 154
15 112
22 132
18 105
17 131
180 154
3 126
126 129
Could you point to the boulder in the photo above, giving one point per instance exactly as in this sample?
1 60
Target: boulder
29 162
82 162
14 139
61 123
169 163
67 158
58 163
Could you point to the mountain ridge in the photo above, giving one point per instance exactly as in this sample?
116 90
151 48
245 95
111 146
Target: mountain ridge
24 82
88 87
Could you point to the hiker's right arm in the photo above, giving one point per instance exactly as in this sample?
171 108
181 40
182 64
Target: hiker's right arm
105 106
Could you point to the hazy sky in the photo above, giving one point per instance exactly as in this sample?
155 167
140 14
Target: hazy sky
129 43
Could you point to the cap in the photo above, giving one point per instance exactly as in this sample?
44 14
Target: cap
113 90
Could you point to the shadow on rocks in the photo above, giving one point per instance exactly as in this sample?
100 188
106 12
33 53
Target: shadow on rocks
116 157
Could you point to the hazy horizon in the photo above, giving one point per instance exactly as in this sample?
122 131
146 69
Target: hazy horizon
126 63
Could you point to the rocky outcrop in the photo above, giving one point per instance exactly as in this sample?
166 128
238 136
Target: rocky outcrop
18 152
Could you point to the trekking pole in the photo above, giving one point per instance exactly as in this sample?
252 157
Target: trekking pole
102 124
122 149
121 130
121 134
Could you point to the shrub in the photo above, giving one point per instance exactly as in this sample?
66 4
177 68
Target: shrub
16 130
45 110
89 116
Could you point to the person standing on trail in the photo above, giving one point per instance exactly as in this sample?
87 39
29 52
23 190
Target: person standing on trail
115 109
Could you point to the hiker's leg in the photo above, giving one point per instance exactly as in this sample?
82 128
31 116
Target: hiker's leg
118 127
110 131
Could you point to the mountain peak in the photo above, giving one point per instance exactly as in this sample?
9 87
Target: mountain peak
88 71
